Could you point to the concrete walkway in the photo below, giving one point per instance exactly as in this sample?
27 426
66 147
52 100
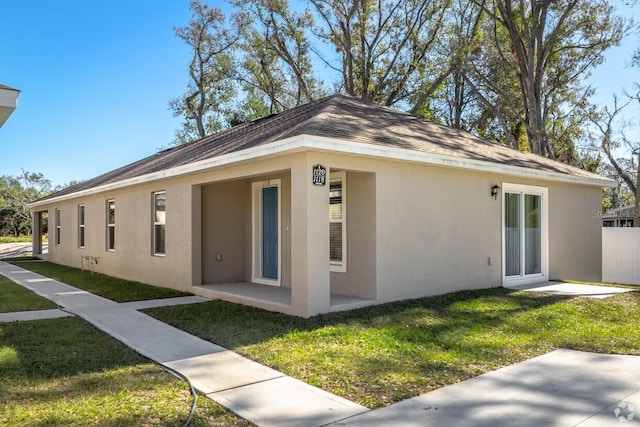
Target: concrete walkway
18 249
257 393
561 388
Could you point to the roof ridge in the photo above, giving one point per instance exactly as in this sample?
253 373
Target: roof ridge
329 109
313 123
339 117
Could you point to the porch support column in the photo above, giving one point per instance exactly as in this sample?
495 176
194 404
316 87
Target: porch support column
196 235
310 277
36 232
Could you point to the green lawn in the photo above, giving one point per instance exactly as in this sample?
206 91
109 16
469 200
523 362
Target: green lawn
64 372
12 239
380 355
16 298
118 290
383 354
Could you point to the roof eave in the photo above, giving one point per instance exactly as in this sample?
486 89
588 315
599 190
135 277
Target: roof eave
308 142
402 154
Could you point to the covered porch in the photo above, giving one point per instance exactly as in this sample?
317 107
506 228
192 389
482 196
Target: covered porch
278 241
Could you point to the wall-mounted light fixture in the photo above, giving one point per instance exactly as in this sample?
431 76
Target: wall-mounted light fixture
495 190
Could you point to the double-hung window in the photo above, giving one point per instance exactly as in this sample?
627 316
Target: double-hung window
338 222
58 227
159 222
111 225
81 226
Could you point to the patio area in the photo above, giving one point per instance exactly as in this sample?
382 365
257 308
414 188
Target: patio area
271 297
573 289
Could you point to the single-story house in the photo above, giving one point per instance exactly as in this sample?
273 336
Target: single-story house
619 217
336 204
8 102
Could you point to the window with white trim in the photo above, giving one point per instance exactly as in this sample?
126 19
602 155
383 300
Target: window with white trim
159 221
58 227
111 225
338 222
81 226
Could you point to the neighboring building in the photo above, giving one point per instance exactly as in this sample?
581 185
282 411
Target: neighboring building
619 217
333 205
8 102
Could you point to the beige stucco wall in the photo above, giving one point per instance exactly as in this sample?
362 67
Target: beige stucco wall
413 230
437 230
575 233
360 278
227 230
224 229
133 255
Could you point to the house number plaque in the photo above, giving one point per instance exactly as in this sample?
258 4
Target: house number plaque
319 175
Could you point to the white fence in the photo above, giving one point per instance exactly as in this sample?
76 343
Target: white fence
621 255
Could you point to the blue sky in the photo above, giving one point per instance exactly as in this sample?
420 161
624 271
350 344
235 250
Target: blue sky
96 77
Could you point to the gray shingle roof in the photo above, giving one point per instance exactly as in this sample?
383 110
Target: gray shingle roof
7 87
339 117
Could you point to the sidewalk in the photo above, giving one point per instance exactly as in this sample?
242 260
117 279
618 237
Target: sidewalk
561 388
17 249
257 393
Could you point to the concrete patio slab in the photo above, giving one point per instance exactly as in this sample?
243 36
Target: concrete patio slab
20 316
561 388
286 402
625 413
222 371
573 289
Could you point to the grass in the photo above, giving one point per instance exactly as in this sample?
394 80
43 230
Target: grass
118 290
20 259
16 298
13 239
64 372
380 355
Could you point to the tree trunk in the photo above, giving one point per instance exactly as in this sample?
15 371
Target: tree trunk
636 211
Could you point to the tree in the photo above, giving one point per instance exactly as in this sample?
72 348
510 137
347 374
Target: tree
276 67
386 49
456 104
213 40
15 194
627 170
551 48
509 70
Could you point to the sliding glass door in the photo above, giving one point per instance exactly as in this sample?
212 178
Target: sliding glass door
524 233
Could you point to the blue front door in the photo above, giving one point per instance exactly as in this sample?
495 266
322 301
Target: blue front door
270 232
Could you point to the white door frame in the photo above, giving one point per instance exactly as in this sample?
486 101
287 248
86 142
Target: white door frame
523 279
256 232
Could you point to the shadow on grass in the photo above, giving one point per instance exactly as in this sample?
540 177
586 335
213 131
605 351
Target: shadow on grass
425 319
43 349
64 372
382 354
